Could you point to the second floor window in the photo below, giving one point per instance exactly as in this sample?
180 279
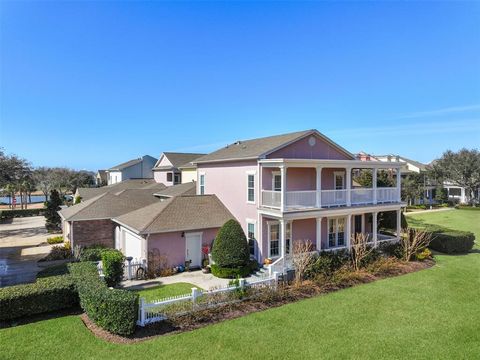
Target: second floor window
169 177
251 238
250 188
202 184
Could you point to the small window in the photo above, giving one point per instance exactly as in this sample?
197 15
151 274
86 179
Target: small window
251 188
277 182
339 180
336 232
202 184
274 240
169 177
177 178
251 238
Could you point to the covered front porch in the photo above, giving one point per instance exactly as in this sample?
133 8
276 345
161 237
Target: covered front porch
329 232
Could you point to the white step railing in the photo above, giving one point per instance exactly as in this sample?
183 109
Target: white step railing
334 198
271 198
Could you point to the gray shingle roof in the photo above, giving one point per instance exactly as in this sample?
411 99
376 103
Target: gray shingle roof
176 190
181 213
109 205
130 163
178 159
88 193
255 148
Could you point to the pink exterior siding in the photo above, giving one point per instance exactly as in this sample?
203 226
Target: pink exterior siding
173 244
305 229
302 150
302 178
161 176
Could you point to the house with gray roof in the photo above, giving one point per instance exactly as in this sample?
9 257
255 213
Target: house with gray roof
88 193
140 168
174 168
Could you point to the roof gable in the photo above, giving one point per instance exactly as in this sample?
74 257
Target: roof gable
175 159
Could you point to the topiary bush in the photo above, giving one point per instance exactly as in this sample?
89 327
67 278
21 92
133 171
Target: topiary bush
230 248
234 272
452 241
55 240
113 262
92 253
327 262
114 310
45 295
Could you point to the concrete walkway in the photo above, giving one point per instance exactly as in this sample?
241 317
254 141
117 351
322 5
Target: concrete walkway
428 211
22 244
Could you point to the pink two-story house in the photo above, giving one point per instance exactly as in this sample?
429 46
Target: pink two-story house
297 186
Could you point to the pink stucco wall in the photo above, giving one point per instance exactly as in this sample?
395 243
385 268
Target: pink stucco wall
302 150
302 178
161 176
172 244
305 229
229 182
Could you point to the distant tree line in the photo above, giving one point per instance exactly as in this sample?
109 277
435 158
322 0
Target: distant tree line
18 177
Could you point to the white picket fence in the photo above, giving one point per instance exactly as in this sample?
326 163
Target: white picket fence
153 311
130 269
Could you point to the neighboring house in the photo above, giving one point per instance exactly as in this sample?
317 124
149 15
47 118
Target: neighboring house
296 186
177 190
101 178
167 168
88 193
188 173
90 222
176 228
140 168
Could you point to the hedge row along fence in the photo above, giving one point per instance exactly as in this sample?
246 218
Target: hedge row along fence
10 214
45 295
112 309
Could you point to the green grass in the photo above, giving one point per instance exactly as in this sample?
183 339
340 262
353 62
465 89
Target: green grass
163 291
431 314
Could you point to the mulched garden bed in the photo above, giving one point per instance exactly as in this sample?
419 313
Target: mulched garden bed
286 294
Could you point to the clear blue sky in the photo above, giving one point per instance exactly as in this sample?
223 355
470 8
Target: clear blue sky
90 84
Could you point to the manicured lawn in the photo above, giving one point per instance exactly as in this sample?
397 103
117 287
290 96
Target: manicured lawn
163 291
431 314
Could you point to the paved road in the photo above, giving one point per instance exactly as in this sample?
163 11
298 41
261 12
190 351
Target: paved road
22 244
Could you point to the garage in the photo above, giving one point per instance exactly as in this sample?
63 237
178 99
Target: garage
133 245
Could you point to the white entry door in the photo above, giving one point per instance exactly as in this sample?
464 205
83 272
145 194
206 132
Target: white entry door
194 249
133 246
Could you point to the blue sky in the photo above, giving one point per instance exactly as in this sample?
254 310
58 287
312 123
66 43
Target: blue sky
91 84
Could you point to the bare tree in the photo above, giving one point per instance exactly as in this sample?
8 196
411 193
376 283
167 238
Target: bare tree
302 256
414 241
360 249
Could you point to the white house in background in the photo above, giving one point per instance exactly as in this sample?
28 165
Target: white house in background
172 167
140 168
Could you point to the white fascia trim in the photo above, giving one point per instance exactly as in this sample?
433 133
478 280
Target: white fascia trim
225 160
330 163
341 211
130 229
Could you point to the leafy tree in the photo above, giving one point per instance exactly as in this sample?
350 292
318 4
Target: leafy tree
460 168
52 219
230 248
364 177
413 186
441 195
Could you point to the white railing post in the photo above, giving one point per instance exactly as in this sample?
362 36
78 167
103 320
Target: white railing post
374 184
195 295
349 185
348 230
319 187
129 268
141 312
275 279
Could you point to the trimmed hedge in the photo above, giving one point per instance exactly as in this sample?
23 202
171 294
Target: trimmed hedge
92 253
232 273
452 241
45 295
113 263
112 309
230 248
9 214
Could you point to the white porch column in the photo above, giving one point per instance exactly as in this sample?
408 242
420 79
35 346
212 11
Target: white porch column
374 185
462 195
399 185
374 228
348 229
319 187
348 180
319 234
282 241
283 175
399 223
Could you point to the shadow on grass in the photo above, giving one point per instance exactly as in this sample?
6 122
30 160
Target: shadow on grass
40 317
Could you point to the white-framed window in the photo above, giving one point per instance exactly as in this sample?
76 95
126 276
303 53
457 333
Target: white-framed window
339 180
251 187
274 239
276 181
177 178
251 237
288 237
169 177
336 232
201 184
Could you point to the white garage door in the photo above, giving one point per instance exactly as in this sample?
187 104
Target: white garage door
133 246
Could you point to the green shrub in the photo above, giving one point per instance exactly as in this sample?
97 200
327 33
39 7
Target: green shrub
113 263
55 240
55 270
393 249
425 254
327 262
231 272
114 310
92 253
59 252
451 241
9 214
230 248
45 295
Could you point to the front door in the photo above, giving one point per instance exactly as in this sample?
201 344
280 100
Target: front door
193 249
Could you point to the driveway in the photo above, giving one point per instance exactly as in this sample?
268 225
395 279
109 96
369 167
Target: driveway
22 243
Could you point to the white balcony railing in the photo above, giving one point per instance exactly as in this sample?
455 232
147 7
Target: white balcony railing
361 196
387 194
333 198
306 199
271 198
